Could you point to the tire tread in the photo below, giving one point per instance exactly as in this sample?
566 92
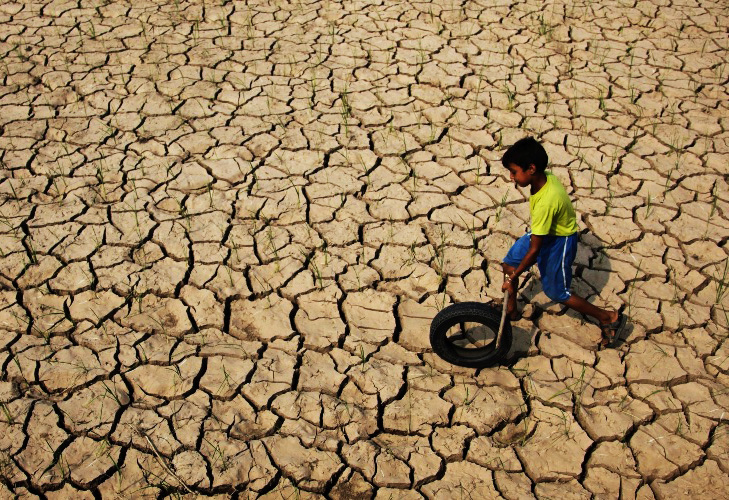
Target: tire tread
469 312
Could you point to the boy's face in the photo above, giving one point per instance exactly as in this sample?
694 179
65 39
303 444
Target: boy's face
522 177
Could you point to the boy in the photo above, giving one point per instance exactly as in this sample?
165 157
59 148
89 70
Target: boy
552 241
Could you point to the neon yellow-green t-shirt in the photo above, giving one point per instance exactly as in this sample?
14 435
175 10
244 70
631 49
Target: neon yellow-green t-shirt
551 210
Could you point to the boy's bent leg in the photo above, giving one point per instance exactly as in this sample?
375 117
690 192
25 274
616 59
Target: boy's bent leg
612 323
556 269
579 304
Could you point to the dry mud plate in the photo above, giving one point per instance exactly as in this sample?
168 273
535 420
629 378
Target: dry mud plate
226 226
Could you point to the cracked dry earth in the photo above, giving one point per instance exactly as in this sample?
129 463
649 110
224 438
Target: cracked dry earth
225 228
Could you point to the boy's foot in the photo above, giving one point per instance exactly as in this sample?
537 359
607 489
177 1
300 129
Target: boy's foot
612 333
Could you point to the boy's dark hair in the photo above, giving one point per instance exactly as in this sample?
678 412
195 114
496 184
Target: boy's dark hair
525 152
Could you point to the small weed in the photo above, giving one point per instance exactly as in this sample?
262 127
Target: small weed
466 399
502 204
218 456
474 239
346 110
439 255
592 178
111 393
614 161
672 277
317 273
478 170
312 86
648 207
510 96
478 89
6 412
609 202
362 357
412 257
545 29
631 293
713 209
722 283
421 55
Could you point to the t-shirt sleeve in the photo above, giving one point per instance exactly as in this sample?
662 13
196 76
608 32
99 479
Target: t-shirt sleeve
542 216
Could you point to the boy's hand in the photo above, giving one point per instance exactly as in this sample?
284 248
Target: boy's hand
508 285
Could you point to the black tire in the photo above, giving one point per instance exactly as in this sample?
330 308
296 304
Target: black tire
451 348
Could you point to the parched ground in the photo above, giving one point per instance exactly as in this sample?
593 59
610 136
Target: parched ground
225 228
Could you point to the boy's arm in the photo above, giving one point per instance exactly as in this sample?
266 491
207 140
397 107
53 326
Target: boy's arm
535 244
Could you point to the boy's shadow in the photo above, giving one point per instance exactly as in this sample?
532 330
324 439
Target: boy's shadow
591 280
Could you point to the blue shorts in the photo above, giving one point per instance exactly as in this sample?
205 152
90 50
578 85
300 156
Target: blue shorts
554 262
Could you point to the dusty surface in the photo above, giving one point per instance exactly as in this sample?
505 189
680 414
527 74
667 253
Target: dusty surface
225 228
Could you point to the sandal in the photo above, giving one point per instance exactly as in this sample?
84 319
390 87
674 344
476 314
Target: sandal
614 332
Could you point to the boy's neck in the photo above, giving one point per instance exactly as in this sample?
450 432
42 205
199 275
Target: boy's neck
538 183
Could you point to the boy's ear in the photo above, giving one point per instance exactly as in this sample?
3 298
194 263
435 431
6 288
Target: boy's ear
532 169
